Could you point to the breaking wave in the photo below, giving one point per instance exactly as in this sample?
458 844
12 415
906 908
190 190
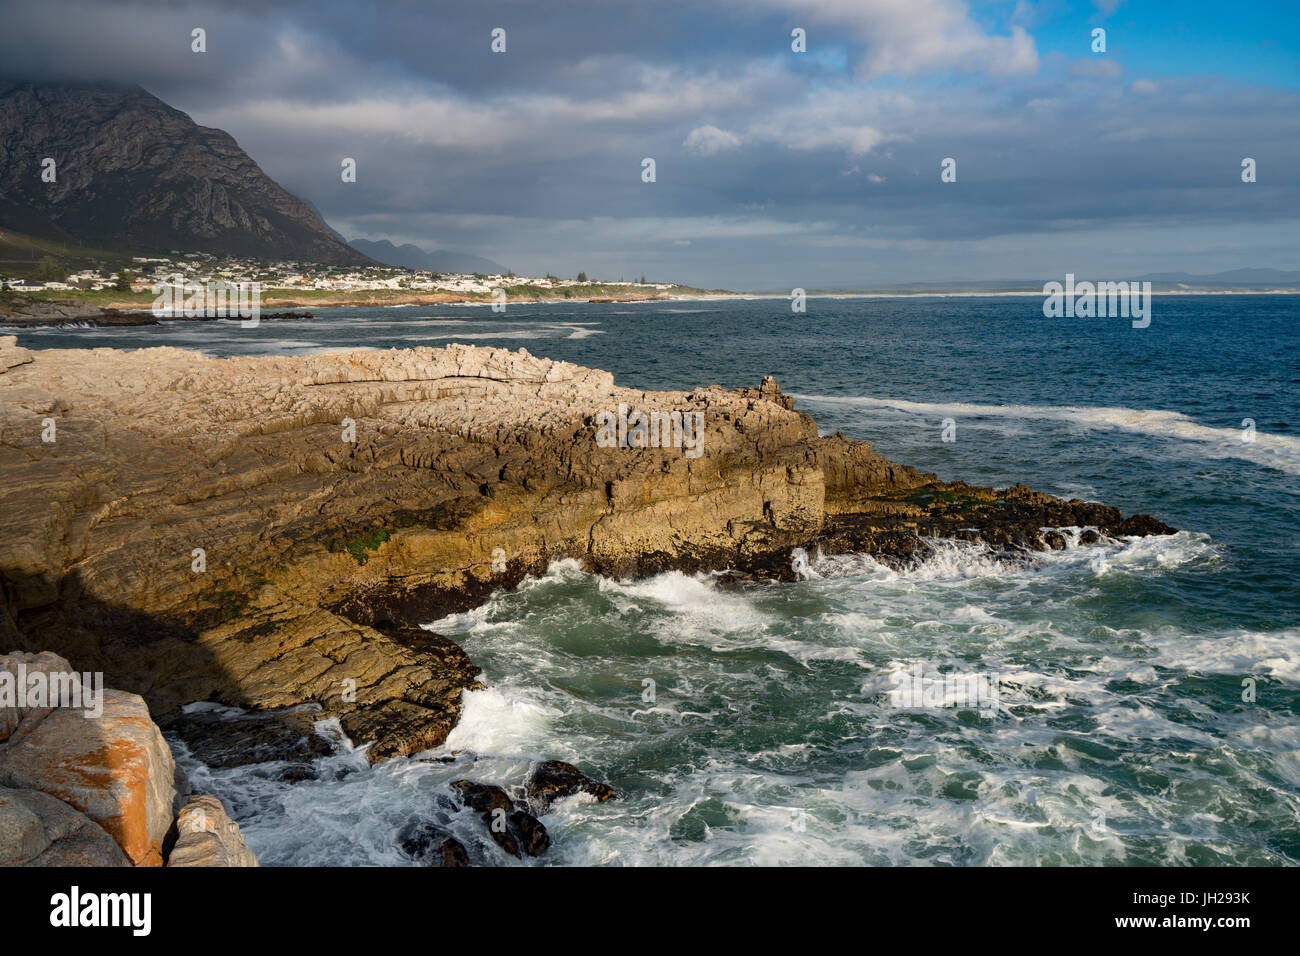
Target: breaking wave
1268 449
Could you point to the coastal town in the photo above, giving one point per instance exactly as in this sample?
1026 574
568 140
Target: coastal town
145 272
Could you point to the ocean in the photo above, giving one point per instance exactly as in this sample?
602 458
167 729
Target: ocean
1147 704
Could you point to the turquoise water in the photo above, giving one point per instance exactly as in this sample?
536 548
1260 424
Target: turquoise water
1148 692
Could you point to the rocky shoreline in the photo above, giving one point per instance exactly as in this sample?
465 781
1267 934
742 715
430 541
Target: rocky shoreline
269 533
37 314
19 311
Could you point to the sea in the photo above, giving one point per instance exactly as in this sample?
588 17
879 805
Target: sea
1142 698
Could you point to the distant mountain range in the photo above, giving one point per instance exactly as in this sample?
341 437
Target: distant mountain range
413 257
134 174
1247 278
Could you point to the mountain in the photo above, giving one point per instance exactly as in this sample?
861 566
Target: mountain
134 174
413 257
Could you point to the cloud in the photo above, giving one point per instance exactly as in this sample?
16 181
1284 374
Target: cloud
1099 66
446 118
806 137
916 37
1031 14
709 141
852 119
532 157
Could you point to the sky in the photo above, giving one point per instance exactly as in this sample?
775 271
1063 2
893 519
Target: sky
774 169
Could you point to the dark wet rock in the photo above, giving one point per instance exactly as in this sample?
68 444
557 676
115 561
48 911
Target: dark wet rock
502 836
897 529
296 773
417 837
449 852
483 797
552 780
25 311
431 844
733 579
222 739
1142 525
512 828
528 830
519 833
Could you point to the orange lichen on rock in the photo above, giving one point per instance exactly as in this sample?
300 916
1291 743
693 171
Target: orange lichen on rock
116 769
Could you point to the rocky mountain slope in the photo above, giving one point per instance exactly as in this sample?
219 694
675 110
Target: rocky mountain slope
267 532
134 174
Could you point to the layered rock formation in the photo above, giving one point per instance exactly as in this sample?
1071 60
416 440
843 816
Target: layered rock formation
267 532
206 836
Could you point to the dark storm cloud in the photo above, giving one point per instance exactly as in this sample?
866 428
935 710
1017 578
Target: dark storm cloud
774 169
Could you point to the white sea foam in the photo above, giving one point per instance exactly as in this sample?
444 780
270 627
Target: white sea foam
771 740
1269 449
1251 653
955 561
532 330
501 721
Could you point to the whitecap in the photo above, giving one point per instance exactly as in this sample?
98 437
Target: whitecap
1264 448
